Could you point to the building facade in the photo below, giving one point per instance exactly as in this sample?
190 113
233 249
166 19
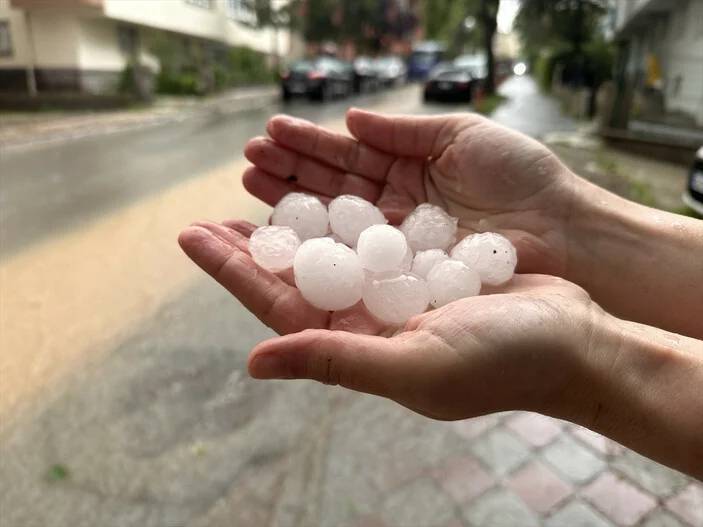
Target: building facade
85 45
661 49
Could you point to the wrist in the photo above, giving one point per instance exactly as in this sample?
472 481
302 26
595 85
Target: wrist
641 388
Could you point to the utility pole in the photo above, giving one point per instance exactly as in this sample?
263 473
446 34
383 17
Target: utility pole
31 61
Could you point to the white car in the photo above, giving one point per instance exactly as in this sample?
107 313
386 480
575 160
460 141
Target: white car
693 196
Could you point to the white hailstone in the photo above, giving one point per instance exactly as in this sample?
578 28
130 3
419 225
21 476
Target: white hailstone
350 215
452 280
425 260
382 248
274 247
429 227
395 297
489 254
328 274
305 214
407 262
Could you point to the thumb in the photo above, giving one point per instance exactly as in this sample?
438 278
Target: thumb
408 135
364 363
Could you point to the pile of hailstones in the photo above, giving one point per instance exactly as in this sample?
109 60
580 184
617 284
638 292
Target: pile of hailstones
396 272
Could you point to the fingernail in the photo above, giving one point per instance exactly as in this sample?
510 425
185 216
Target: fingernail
268 366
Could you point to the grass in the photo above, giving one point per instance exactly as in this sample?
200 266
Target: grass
57 473
488 104
687 211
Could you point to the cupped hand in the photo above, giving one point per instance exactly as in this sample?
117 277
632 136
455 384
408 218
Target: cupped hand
523 346
490 177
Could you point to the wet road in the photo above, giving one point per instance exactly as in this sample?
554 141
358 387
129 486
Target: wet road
126 367
50 189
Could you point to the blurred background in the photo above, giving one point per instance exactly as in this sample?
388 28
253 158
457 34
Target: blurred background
124 397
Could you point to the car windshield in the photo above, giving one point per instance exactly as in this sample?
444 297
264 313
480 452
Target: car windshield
424 58
302 66
459 75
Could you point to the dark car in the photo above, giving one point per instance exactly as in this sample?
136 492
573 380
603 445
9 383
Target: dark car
391 70
365 75
693 196
424 57
320 79
457 80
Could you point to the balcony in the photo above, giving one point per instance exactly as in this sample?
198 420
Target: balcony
633 13
42 4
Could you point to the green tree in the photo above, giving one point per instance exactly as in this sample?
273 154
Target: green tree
488 15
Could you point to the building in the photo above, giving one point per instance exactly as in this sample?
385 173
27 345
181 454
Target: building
660 76
85 45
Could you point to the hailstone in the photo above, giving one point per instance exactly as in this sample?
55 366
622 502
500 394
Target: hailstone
382 248
429 227
305 214
452 280
489 254
395 297
328 274
350 215
274 247
407 262
425 260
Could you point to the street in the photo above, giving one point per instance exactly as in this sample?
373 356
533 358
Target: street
125 399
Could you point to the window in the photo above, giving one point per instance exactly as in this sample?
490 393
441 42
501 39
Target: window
205 4
5 40
241 10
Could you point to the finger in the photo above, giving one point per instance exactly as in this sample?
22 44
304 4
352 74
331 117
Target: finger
244 230
364 363
241 226
228 234
406 135
271 189
306 172
331 148
275 303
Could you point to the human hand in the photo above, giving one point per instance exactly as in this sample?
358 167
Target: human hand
521 347
491 178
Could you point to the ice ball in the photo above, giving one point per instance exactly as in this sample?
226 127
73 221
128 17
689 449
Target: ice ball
350 215
407 263
328 274
273 247
425 260
489 254
382 248
429 227
395 297
305 214
452 280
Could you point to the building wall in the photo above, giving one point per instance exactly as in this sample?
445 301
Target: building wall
684 60
20 50
675 38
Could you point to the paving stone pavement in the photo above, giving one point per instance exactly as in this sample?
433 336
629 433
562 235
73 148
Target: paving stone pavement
524 469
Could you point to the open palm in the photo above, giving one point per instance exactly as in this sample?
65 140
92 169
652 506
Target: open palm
525 337
490 177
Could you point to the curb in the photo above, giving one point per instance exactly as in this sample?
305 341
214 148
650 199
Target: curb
151 117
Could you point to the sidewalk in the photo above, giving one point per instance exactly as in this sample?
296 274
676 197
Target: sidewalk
32 128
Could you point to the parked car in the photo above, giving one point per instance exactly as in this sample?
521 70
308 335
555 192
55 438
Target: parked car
449 82
476 64
390 70
320 79
365 75
693 196
424 57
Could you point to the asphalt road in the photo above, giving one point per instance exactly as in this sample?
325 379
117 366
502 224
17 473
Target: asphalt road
125 399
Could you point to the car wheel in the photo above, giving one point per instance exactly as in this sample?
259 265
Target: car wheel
286 95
